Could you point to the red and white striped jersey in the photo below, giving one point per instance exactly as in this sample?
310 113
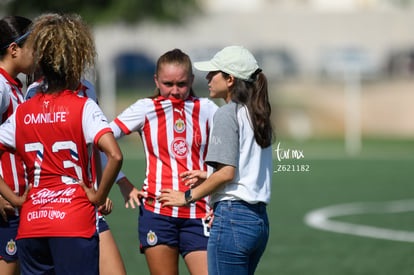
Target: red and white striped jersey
55 134
11 165
175 134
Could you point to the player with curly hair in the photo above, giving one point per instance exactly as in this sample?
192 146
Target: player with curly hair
56 133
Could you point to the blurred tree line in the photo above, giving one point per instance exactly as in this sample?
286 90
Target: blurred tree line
106 11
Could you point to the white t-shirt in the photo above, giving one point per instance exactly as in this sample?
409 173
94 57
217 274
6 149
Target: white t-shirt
232 143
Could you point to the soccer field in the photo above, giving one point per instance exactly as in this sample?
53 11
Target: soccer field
370 199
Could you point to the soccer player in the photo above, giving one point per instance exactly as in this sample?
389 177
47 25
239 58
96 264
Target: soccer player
110 259
15 58
55 132
240 153
174 126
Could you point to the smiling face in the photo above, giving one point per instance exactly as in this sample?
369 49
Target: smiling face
174 80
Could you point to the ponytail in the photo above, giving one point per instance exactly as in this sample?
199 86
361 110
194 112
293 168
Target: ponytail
254 95
260 111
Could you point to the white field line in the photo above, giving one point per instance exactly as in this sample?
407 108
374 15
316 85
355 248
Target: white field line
320 219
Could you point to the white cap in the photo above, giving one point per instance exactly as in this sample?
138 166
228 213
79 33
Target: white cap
234 60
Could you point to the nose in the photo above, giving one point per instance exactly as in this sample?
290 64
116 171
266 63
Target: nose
208 79
174 90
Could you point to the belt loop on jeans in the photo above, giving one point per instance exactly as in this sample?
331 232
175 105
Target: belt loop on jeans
229 203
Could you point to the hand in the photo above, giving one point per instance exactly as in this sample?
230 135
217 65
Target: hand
106 208
91 193
20 200
171 197
209 217
5 206
193 178
131 195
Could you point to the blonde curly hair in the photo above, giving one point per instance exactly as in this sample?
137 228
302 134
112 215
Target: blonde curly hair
63 49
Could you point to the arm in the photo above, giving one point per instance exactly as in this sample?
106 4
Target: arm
109 146
5 206
193 178
223 175
8 193
130 193
10 196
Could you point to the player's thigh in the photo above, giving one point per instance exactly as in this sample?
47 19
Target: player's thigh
162 259
193 245
159 241
196 262
9 268
110 260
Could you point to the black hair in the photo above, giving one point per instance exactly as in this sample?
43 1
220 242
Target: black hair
11 29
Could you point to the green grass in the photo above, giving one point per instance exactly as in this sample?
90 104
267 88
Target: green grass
382 172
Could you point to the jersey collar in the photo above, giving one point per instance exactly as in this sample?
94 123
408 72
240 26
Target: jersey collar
13 81
175 100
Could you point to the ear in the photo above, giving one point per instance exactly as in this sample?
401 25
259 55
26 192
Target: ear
230 81
156 80
13 48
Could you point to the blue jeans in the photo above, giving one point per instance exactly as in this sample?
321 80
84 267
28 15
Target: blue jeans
238 237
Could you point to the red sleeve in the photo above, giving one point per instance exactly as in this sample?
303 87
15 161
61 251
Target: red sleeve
123 127
100 134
